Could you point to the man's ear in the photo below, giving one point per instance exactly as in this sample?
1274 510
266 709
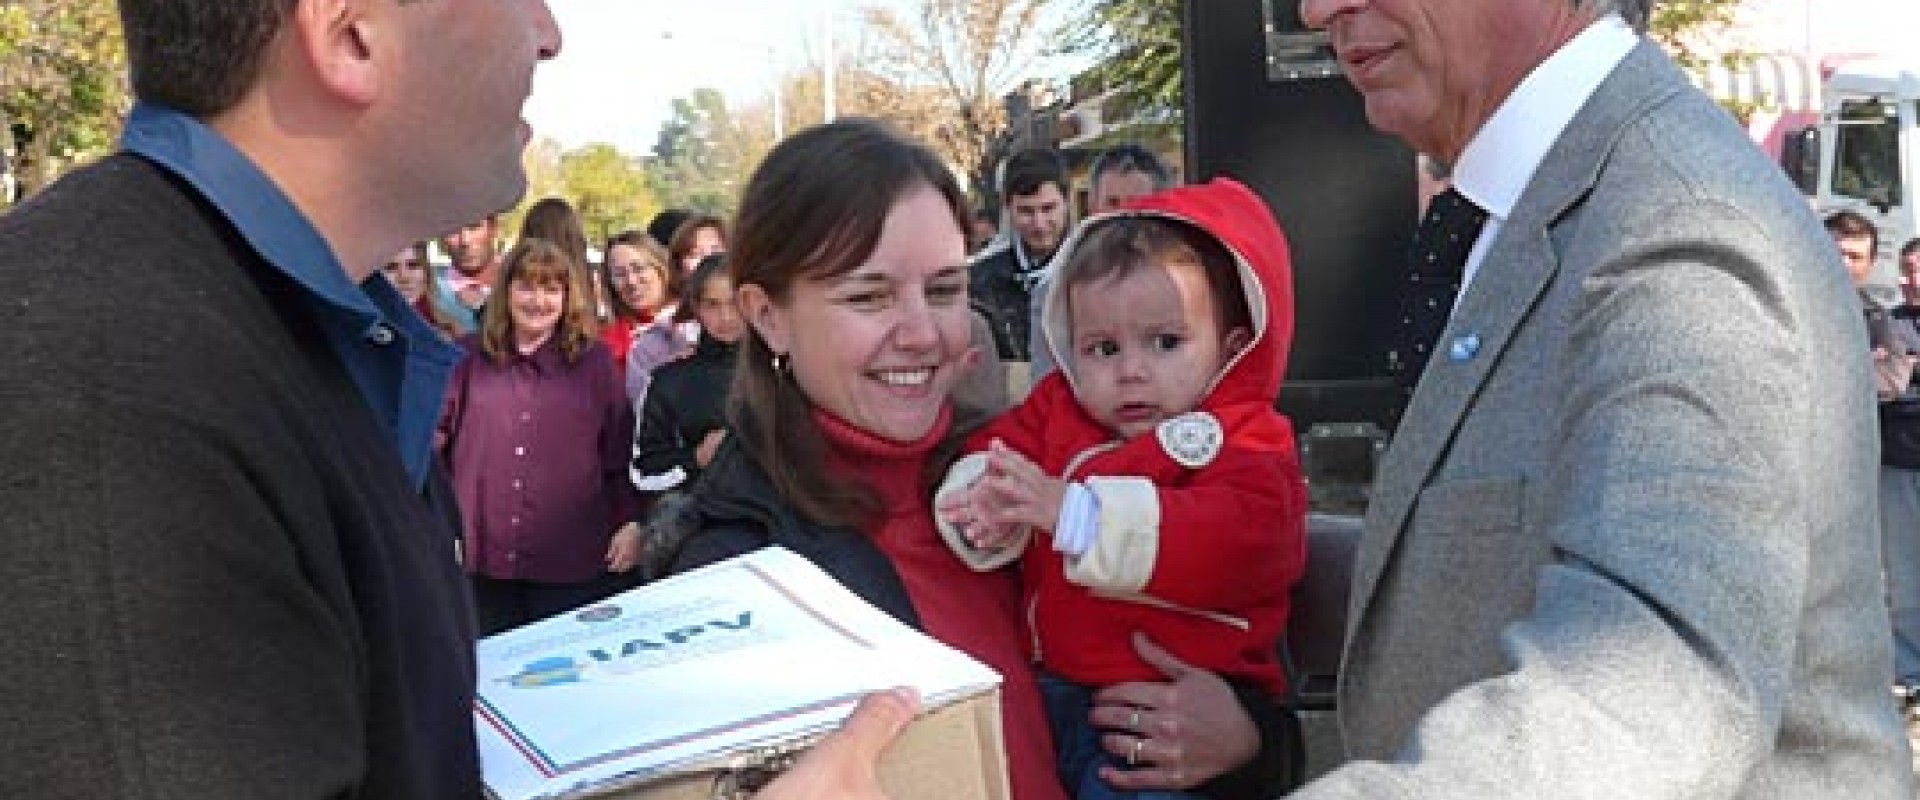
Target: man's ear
337 38
767 319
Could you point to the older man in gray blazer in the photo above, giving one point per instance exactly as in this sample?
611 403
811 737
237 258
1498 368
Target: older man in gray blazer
1624 544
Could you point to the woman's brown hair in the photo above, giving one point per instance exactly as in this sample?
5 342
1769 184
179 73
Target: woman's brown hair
554 220
814 210
538 261
688 233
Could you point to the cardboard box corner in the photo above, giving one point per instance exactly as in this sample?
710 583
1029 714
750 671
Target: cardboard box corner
956 751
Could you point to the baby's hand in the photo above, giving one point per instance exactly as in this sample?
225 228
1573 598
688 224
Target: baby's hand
1017 493
969 512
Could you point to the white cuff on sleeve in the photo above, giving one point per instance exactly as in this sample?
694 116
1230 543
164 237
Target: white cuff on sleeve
1121 558
1079 524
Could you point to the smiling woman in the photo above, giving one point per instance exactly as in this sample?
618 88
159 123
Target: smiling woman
535 433
848 255
849 260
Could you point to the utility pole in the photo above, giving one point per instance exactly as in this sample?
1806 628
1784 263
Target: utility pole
828 104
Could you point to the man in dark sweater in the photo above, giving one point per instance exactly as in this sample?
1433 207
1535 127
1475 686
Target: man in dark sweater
232 570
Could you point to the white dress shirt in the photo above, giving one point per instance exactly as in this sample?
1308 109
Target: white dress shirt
1501 158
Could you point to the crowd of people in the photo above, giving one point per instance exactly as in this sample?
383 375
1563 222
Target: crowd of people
1623 542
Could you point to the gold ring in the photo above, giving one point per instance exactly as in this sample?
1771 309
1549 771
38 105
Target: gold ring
1133 754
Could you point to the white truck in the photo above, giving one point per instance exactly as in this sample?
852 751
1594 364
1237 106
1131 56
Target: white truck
1846 130
1869 116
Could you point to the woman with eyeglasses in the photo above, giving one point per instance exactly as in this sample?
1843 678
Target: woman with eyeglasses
641 294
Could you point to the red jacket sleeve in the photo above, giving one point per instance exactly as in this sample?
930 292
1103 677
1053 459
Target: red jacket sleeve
1233 536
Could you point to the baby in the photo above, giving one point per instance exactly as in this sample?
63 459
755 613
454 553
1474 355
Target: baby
1168 488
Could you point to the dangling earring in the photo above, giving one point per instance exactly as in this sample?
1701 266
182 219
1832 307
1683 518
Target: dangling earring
779 363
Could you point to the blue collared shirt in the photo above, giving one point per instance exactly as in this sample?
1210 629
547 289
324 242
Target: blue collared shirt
398 362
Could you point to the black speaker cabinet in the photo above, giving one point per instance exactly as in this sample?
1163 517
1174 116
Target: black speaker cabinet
1267 106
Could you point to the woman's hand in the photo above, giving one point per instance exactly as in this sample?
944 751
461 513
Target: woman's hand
624 551
1177 734
967 511
844 765
709 445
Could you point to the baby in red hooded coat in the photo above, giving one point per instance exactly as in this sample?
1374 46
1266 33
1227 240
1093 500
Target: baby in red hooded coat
1148 485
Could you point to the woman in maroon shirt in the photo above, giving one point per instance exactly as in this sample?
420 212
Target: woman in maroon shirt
535 434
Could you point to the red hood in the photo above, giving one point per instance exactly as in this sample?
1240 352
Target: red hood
1237 218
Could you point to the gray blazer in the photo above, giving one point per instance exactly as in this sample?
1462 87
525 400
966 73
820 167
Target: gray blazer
1627 547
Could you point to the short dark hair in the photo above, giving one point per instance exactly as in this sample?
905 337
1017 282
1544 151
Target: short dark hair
1131 158
1026 171
199 56
1912 246
1123 245
1851 224
815 209
663 224
687 235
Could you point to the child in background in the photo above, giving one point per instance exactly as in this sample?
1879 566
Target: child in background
684 418
1166 490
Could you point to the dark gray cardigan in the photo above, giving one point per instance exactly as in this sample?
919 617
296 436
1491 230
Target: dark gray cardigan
219 582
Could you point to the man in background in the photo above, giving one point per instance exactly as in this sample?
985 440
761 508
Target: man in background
1894 337
1120 173
1033 191
1124 172
474 251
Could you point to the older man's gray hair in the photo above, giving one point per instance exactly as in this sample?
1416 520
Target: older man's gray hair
1635 12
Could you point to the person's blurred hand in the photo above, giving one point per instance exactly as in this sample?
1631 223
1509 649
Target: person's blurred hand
844 765
1893 372
471 296
709 445
624 551
1177 734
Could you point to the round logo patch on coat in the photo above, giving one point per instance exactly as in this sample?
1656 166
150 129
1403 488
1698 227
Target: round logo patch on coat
1191 439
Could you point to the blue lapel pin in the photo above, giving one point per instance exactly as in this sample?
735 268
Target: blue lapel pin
1464 348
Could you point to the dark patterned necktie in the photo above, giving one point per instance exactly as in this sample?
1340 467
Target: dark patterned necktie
1439 256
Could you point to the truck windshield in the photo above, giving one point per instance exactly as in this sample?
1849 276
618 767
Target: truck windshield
1868 152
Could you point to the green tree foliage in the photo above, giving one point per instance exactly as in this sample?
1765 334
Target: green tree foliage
1135 45
1687 27
608 189
62 85
705 152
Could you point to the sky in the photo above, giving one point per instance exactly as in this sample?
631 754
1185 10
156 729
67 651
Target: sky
622 62
618 71
1832 26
